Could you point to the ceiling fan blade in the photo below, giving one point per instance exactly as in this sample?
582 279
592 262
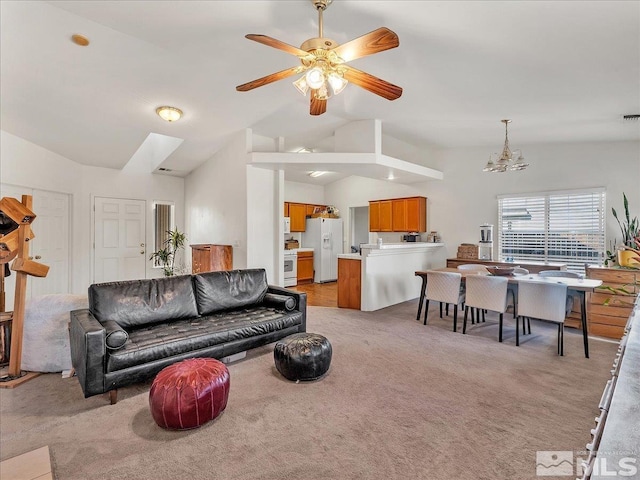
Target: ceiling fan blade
272 42
318 107
274 77
373 42
373 84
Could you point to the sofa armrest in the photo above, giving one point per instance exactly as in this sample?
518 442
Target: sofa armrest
88 351
300 298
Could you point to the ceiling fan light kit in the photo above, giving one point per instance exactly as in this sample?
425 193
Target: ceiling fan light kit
324 64
506 160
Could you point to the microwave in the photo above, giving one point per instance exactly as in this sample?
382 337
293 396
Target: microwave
287 225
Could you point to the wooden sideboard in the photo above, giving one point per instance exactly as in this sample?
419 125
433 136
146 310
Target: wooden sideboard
608 311
207 257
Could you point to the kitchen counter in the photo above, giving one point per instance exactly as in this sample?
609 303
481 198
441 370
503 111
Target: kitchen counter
303 249
387 272
350 256
385 246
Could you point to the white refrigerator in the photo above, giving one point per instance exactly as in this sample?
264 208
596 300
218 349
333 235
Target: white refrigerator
324 235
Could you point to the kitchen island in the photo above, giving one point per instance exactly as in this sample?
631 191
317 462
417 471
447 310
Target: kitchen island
387 273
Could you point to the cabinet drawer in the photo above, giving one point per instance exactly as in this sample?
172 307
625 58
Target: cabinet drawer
608 331
614 300
610 320
305 254
612 275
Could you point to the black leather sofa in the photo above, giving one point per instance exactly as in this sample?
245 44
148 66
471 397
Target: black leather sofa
133 329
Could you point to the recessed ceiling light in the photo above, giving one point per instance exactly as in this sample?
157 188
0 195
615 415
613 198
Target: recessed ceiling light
316 173
80 40
170 114
390 176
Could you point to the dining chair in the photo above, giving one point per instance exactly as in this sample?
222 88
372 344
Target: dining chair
444 287
512 288
485 293
571 296
542 301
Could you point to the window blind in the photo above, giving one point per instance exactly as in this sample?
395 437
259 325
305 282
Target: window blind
560 227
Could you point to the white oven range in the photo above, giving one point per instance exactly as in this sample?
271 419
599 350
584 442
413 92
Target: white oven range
290 268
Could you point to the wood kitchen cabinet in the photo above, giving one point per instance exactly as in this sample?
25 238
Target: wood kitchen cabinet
207 257
607 311
298 216
349 283
398 215
305 267
286 209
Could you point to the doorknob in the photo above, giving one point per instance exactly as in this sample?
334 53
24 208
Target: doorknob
38 257
142 244
141 252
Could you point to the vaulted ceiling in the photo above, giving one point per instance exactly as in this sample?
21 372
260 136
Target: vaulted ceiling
563 71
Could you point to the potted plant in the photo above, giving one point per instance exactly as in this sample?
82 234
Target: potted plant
166 257
628 254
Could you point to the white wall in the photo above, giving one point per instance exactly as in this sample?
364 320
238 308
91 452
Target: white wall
467 197
28 165
264 226
297 192
216 199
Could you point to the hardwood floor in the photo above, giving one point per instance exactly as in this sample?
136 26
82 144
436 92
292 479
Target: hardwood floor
320 294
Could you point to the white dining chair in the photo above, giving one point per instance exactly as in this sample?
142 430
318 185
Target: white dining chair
542 301
566 274
513 290
444 287
485 293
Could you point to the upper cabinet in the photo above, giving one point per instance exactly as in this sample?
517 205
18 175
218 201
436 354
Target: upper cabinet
298 213
298 216
398 215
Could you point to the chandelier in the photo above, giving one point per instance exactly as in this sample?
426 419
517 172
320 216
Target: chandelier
506 160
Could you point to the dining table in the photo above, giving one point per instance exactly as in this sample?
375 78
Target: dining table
578 285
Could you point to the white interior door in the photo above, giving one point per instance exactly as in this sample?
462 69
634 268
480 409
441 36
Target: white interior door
50 245
119 229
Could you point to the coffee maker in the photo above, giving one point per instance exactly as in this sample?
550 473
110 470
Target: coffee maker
485 246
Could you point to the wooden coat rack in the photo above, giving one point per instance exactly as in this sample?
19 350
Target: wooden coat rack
14 245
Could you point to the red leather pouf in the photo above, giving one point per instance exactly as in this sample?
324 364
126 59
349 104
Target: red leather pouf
188 394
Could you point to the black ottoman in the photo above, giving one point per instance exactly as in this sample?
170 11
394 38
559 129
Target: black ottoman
303 356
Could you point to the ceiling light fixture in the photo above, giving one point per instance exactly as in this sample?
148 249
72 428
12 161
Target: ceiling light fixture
80 40
170 114
316 173
506 160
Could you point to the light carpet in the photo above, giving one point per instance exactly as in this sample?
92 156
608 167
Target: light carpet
400 401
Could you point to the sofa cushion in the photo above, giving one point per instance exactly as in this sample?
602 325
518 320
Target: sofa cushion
164 340
141 302
282 302
116 336
216 291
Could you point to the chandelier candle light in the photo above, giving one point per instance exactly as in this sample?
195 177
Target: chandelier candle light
506 160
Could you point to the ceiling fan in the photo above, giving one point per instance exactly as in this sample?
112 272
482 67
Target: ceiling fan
325 64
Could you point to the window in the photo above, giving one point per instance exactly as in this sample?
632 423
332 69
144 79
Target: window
562 227
163 222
